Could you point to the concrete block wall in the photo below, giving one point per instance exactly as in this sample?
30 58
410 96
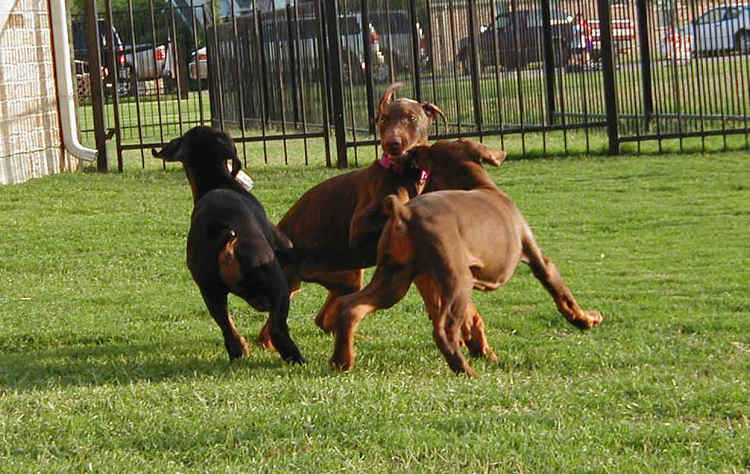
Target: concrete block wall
30 143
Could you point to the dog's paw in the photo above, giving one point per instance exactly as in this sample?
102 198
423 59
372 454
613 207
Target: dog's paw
592 318
341 363
295 359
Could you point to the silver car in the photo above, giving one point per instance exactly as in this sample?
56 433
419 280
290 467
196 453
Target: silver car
722 28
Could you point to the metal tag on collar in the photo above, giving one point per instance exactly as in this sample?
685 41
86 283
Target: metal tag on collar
244 180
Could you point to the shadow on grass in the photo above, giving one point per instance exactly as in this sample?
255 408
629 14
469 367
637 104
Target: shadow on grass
119 364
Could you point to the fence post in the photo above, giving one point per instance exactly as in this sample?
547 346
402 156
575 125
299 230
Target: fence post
97 92
549 61
608 68
475 64
337 88
368 68
114 72
415 51
646 85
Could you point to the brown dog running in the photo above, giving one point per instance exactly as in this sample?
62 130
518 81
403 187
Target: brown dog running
335 225
439 240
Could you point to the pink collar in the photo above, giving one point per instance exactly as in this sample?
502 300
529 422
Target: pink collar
386 163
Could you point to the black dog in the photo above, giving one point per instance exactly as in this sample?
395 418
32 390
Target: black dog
232 247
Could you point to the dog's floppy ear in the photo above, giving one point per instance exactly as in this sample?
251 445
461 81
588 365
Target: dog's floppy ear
432 111
224 147
236 165
388 96
421 157
481 153
172 151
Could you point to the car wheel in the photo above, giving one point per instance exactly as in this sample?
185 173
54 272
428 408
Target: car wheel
381 73
742 43
350 71
561 54
466 66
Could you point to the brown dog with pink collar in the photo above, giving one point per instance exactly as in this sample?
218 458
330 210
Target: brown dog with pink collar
335 226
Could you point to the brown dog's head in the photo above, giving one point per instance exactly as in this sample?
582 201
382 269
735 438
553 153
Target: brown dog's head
456 164
202 149
403 123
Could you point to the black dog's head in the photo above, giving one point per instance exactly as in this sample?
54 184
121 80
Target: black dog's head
201 148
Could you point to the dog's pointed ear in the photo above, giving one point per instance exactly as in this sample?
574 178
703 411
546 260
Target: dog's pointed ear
172 151
481 153
432 111
421 157
388 96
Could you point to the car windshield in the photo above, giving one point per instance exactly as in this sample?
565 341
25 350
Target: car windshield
394 22
535 19
712 16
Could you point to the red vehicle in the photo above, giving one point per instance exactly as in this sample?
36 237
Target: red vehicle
623 36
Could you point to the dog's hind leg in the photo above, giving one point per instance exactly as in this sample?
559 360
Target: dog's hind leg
474 336
216 302
293 282
388 286
270 279
448 309
548 274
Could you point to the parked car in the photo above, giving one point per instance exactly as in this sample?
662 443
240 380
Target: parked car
519 40
677 45
150 62
198 65
623 36
81 56
276 39
395 32
721 29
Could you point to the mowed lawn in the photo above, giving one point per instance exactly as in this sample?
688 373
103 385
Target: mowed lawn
109 361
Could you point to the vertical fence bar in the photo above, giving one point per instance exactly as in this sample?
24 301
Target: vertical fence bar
645 50
176 65
134 81
300 76
240 82
549 61
430 33
280 83
97 93
257 46
415 51
198 78
113 72
608 69
292 51
454 48
367 54
215 64
475 65
337 92
498 83
323 79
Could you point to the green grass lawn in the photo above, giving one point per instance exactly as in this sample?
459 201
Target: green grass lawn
109 361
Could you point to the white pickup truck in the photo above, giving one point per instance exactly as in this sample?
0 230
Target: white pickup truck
150 62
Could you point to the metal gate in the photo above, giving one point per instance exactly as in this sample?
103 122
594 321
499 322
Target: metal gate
295 81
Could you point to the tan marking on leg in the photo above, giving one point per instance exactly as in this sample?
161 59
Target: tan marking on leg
229 267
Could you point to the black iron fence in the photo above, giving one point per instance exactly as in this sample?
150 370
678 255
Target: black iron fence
537 76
